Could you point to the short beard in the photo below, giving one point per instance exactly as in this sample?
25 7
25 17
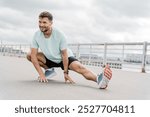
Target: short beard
43 30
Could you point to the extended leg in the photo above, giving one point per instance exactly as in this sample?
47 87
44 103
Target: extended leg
79 68
102 79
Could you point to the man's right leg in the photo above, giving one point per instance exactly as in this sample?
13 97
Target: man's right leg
41 59
42 62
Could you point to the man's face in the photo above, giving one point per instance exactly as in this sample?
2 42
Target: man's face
45 24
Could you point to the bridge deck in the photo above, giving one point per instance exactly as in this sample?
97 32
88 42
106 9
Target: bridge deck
18 80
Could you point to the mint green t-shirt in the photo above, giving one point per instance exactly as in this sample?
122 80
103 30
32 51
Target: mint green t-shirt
52 46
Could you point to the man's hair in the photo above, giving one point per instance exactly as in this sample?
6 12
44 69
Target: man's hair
46 14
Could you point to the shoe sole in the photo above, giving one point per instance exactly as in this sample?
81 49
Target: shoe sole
103 83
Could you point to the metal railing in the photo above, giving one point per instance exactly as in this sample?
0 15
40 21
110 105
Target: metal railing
19 50
127 56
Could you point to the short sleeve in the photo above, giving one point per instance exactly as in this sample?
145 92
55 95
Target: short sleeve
34 43
63 42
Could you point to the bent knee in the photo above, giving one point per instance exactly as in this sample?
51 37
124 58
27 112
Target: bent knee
28 56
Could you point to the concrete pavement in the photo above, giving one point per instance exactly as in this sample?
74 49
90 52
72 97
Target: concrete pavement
18 80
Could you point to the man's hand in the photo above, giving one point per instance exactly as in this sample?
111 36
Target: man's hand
42 79
67 78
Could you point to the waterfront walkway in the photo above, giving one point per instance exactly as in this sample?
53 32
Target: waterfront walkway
18 80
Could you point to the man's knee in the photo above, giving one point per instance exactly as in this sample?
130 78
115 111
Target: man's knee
79 68
28 56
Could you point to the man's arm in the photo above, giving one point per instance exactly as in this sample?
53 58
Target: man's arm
65 59
65 64
35 62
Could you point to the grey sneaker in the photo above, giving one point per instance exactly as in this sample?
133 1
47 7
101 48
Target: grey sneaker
49 73
104 78
102 81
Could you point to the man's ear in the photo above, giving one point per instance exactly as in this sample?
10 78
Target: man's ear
51 22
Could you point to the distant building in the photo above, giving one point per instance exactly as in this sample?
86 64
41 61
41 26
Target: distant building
136 58
96 60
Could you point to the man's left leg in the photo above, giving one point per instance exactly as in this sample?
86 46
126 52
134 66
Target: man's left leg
79 68
102 80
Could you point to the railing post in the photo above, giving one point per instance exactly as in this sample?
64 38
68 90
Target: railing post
105 53
11 47
1 47
78 51
90 55
144 57
122 61
4 50
20 50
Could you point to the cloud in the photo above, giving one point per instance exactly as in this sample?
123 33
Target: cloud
129 8
14 18
90 21
14 26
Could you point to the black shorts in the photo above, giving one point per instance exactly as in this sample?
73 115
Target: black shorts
51 64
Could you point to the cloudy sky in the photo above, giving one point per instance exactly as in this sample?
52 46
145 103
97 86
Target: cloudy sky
84 21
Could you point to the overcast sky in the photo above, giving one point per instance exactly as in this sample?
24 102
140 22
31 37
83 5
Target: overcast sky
84 21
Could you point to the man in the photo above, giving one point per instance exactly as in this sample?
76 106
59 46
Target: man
55 53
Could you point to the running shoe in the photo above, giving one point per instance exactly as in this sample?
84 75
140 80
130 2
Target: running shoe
104 78
49 73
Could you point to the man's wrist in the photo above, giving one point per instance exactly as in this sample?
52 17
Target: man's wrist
66 72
